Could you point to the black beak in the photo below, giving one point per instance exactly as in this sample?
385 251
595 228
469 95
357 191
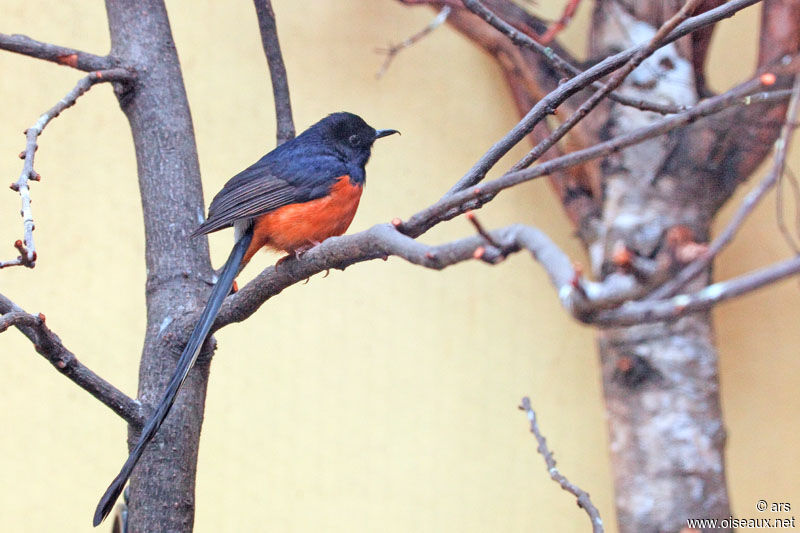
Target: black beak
384 133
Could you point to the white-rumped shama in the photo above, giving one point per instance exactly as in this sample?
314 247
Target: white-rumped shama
293 198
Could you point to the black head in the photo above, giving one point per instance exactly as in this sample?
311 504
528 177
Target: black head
349 136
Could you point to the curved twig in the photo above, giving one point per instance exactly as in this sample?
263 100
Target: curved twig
584 501
26 246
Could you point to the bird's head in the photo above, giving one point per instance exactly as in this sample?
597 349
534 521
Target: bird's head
349 136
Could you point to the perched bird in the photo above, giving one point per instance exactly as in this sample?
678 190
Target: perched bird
293 198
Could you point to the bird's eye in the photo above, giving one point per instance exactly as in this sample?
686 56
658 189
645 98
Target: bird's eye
353 140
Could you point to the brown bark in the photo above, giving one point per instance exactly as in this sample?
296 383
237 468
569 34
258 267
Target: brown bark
162 486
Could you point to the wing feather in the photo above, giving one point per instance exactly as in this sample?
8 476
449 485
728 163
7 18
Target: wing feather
267 185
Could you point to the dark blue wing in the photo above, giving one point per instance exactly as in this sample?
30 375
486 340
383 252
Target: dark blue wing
290 174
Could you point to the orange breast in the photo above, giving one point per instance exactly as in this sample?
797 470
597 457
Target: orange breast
295 226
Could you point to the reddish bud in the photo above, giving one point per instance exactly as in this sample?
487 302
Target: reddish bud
235 287
61 364
42 317
396 222
470 215
479 252
477 191
624 364
677 235
768 78
621 256
98 74
430 255
22 154
70 60
576 279
14 186
18 244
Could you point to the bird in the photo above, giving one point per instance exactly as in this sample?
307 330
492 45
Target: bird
296 196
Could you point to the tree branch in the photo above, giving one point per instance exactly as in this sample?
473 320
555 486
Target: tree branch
22 44
395 49
473 197
696 267
584 501
552 100
50 347
277 70
563 66
585 300
644 311
606 89
26 246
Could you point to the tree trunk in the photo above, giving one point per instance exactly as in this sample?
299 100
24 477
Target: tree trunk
666 436
162 486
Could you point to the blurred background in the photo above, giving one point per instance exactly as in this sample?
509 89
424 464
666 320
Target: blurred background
382 398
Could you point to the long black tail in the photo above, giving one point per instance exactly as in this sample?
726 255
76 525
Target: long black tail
187 359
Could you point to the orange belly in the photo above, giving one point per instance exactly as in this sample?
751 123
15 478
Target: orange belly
296 226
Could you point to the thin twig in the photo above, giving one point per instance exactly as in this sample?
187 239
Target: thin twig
26 246
553 99
612 84
785 231
584 501
277 70
50 347
395 49
693 269
564 66
70 57
452 205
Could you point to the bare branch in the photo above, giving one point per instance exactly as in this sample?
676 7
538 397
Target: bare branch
584 501
26 247
788 235
384 240
644 311
474 197
564 66
50 347
277 70
555 98
70 57
605 90
395 49
693 269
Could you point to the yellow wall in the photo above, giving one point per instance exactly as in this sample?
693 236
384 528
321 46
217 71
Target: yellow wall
379 399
